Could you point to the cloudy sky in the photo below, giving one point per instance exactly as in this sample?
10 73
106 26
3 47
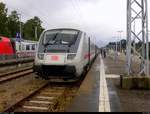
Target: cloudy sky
100 18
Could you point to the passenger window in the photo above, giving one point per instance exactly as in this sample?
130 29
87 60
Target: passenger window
33 47
27 47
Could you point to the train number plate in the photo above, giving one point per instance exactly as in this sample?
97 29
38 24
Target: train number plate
54 58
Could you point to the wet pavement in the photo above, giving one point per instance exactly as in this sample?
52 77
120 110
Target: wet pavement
87 99
101 92
96 94
129 100
114 100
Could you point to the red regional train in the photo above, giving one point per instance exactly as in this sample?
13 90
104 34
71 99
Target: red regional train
9 46
6 47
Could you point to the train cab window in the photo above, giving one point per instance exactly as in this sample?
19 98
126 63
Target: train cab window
68 38
61 37
49 36
0 39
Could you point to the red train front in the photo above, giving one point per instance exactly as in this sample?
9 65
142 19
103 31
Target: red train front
6 46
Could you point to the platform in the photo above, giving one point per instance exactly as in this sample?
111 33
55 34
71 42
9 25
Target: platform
95 95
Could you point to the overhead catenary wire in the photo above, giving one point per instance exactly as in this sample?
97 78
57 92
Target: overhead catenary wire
80 9
76 9
74 3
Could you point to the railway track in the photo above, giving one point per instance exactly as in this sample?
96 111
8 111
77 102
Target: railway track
48 98
15 74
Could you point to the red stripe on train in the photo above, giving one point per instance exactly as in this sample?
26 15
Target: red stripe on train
87 56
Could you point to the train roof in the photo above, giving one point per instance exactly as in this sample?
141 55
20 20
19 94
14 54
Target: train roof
63 29
5 39
25 41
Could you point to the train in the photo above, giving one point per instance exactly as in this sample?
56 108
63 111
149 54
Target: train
6 47
64 50
25 48
11 47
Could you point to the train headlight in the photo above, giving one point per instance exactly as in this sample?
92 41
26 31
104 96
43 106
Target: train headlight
40 56
71 56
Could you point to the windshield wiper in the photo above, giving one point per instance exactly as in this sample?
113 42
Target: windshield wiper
63 42
50 42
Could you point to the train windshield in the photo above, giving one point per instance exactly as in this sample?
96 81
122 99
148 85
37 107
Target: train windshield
63 37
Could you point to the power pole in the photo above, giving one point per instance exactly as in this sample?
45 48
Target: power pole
137 11
36 29
20 25
116 52
36 32
20 33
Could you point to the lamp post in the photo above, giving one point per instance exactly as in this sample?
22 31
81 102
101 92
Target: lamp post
120 40
20 25
20 29
116 49
36 30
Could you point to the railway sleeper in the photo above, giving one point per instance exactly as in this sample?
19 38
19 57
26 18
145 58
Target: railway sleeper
43 102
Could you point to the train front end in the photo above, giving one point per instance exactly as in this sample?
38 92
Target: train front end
57 54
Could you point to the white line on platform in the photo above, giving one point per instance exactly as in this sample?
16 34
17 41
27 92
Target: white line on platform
104 103
112 76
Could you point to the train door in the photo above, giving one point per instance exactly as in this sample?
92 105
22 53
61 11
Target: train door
89 50
13 46
1 46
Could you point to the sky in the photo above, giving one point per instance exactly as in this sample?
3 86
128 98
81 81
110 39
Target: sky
99 18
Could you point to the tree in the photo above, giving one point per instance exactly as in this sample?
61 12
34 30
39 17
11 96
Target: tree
29 28
3 20
13 23
10 25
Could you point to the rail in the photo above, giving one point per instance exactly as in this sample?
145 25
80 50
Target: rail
15 74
